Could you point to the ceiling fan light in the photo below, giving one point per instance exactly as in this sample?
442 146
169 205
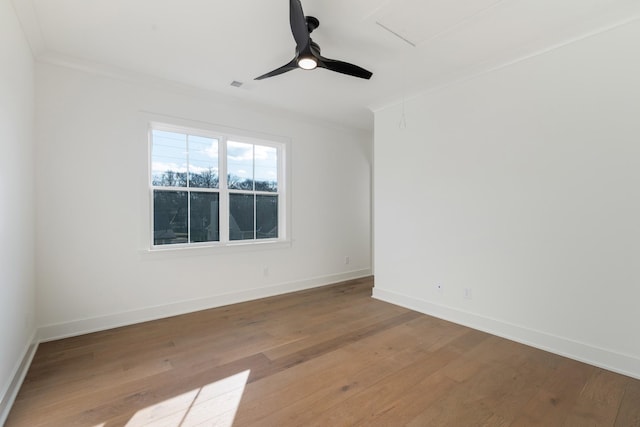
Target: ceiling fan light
307 63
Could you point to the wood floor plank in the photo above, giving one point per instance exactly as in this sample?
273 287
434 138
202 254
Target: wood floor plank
629 411
599 400
327 356
319 396
557 396
376 402
348 321
313 385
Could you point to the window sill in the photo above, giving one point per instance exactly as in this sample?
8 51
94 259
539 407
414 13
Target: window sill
229 248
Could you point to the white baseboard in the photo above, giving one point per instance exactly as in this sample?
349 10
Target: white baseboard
606 359
94 324
9 396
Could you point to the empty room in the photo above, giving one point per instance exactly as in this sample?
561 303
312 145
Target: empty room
319 213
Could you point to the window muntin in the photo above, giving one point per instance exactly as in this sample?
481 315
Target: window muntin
193 205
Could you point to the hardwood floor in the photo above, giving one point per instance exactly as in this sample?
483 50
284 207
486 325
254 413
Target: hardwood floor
331 356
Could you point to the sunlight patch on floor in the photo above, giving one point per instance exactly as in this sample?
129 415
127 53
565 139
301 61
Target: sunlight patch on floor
215 404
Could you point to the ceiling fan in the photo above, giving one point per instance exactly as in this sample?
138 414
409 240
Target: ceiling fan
308 52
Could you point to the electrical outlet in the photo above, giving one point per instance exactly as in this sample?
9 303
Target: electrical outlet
467 293
265 271
347 260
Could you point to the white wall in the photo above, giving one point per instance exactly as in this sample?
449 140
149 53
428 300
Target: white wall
522 185
93 270
17 202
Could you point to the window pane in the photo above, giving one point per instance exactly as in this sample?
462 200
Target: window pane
239 166
205 226
266 170
169 159
203 162
169 217
240 216
266 217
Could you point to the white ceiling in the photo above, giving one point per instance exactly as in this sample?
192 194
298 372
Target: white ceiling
210 43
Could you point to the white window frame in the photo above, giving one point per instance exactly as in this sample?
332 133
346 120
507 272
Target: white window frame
223 135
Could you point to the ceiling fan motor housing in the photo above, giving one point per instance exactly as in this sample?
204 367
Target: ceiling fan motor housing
307 52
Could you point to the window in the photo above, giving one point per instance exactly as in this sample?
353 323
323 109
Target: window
211 189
